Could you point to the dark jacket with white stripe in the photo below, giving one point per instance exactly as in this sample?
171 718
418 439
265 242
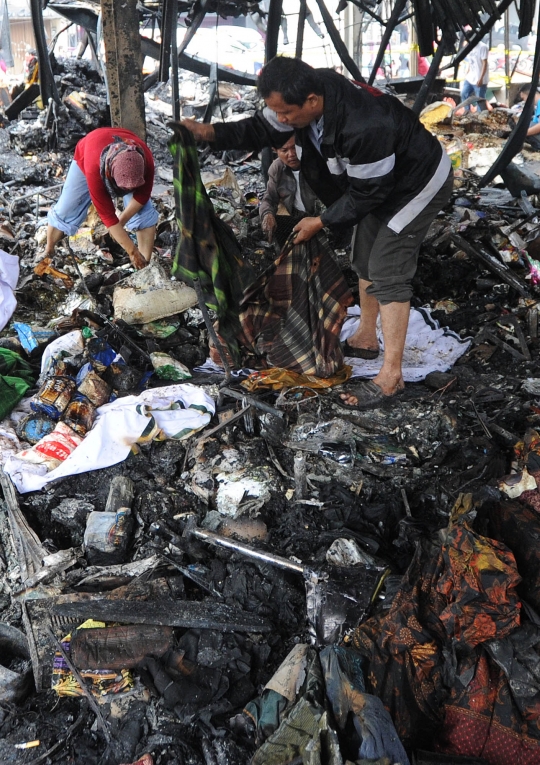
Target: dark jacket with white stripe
375 155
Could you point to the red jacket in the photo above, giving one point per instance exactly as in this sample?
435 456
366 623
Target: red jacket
88 156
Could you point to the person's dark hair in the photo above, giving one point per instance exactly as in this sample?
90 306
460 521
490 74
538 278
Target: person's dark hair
292 78
526 88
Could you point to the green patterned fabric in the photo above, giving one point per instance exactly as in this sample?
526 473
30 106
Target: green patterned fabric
15 383
207 248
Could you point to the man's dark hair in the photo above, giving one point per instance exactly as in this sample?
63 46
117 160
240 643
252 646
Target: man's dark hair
292 78
526 88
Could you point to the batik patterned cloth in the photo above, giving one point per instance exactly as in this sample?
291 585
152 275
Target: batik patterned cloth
294 312
452 601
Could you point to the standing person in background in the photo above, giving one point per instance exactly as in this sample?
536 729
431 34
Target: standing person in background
477 77
108 163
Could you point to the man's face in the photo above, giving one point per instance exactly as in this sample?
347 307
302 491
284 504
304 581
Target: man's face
287 154
294 115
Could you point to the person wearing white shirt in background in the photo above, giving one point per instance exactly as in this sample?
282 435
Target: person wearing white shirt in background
287 193
477 77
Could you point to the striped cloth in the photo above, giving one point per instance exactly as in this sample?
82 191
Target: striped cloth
294 312
207 248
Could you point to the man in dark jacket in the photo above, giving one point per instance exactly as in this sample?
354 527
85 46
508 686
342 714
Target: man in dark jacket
287 193
373 164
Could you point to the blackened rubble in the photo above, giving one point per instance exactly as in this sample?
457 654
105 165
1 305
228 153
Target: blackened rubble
392 483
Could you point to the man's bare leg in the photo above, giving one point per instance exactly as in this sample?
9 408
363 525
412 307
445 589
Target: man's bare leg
145 240
366 334
394 320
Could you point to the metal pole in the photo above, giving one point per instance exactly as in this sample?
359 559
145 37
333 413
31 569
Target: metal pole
429 80
265 557
300 30
507 55
273 22
175 91
211 331
390 26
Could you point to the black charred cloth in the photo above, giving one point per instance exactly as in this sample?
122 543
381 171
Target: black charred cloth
294 312
207 248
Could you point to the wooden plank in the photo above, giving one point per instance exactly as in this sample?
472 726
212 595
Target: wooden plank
190 614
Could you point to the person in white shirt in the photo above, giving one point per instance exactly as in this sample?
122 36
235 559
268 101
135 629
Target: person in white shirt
287 194
477 77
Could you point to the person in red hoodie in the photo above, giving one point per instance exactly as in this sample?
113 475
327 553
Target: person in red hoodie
109 163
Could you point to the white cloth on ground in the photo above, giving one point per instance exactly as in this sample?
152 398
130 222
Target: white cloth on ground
428 347
119 425
9 276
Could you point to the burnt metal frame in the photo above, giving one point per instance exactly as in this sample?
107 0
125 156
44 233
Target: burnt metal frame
391 24
46 79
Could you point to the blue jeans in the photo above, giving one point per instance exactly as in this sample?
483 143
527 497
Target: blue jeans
70 212
469 90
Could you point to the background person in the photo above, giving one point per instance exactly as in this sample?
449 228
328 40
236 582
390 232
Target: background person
533 133
477 77
108 163
287 194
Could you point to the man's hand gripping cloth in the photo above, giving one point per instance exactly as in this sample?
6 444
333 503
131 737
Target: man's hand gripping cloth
294 312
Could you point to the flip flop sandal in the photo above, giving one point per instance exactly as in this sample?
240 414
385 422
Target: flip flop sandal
368 395
359 353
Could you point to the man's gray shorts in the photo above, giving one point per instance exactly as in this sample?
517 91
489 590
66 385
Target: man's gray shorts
388 260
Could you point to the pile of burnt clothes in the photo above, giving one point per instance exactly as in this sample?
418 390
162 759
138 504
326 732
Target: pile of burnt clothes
259 318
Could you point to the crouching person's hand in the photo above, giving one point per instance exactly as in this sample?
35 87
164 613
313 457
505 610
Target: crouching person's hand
137 259
269 226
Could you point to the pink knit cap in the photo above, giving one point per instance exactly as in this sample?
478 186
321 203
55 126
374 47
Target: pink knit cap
127 169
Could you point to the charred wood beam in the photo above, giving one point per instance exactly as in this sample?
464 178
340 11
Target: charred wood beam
87 19
300 29
195 24
369 11
46 79
272 29
22 101
83 17
492 264
190 614
429 79
124 65
514 142
199 65
339 45
391 24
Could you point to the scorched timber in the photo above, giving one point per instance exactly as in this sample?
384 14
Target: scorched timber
189 614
